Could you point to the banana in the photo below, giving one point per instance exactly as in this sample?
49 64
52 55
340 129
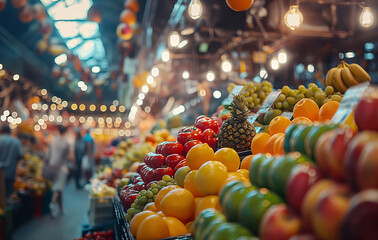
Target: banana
329 76
348 77
337 81
360 74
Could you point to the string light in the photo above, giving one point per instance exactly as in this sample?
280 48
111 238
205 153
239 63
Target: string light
60 107
127 124
195 9
141 96
145 89
14 114
147 109
210 76
109 120
118 120
59 119
92 107
44 126
115 102
37 128
282 57
165 55
155 71
16 77
293 17
103 108
72 119
366 17
45 118
64 103
6 113
174 39
82 107
40 121
217 94
53 106
122 109
274 64
82 119
45 107
74 106
112 108
100 120
51 118
185 74
226 66
43 92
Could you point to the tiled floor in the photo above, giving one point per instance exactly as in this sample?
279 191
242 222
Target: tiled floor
66 227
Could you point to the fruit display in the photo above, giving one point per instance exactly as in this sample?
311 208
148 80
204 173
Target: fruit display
254 93
289 97
236 132
159 136
346 75
134 154
29 175
101 189
96 235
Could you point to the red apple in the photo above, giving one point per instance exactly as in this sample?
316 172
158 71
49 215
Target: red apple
353 152
329 212
311 198
366 112
302 177
367 166
361 220
335 151
279 222
320 154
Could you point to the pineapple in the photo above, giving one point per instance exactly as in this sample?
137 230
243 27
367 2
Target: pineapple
236 132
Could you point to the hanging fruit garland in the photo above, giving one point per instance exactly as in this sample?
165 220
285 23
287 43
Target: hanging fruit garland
26 14
239 5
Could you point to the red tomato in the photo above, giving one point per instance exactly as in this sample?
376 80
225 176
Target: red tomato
180 165
172 148
189 145
154 160
173 159
208 136
160 172
189 133
159 148
206 122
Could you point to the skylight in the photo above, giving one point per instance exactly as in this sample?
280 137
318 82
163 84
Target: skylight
81 36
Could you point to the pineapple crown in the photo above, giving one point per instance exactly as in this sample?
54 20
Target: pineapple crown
238 108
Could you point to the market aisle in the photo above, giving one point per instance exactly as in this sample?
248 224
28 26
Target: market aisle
66 227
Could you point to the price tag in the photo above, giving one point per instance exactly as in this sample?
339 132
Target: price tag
289 115
252 118
269 100
349 102
237 89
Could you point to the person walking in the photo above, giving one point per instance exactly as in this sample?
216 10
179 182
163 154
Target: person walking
79 154
57 161
88 159
11 151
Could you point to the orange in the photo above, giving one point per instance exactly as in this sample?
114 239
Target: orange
243 172
306 108
272 140
153 227
179 203
138 219
301 120
327 111
160 213
279 145
176 227
210 177
189 226
211 201
190 184
278 125
259 142
196 200
239 5
198 155
150 206
161 194
229 157
132 5
246 162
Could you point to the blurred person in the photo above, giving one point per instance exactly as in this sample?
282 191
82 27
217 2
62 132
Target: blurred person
79 154
88 159
11 151
57 159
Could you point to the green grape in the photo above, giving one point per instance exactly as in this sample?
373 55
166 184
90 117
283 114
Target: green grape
249 99
290 108
138 207
285 104
133 205
285 90
246 94
314 89
281 97
150 200
320 95
312 85
312 98
257 102
262 95
159 187
319 102
137 201
138 211
131 211
258 87
336 98
254 96
300 96
143 199
278 105
162 183
149 194
309 93
291 93
166 178
291 100
138 197
251 105
154 185
267 89
154 197
155 191
326 100
339 94
329 90
128 216
143 192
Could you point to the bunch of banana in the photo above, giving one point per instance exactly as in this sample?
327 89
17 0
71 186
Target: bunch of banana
344 76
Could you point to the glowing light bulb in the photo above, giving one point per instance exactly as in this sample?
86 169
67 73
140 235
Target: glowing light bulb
275 64
165 55
226 66
210 76
155 71
282 57
195 9
263 73
174 39
293 18
185 74
366 17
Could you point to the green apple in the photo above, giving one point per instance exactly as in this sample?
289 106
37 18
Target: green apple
232 202
288 133
280 170
263 172
204 219
313 136
298 138
227 188
254 205
254 168
226 231
210 228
